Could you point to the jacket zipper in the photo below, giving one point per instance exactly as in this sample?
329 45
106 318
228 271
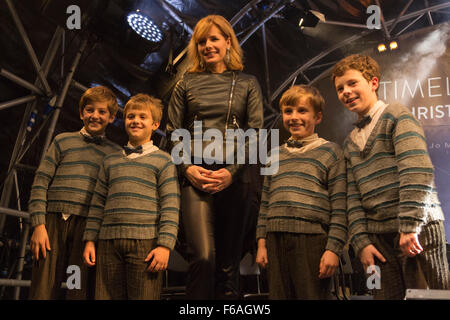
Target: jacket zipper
236 124
230 101
193 122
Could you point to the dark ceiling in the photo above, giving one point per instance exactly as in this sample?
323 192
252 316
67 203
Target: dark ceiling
117 57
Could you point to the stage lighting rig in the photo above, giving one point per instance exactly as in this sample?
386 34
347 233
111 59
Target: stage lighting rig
144 27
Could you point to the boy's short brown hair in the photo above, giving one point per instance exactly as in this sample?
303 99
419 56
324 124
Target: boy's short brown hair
368 67
292 96
145 101
99 94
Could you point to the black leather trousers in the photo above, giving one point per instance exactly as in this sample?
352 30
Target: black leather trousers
213 227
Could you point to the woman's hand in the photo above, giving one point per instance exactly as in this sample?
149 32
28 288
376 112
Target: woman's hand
199 177
224 178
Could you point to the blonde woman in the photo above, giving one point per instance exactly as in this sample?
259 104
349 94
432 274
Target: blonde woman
215 93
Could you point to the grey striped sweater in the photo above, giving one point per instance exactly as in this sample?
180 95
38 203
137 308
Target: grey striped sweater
135 199
391 181
307 195
66 177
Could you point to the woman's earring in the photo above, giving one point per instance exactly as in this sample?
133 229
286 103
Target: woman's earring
202 64
227 57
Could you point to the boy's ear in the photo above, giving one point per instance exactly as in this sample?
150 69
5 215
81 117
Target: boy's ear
318 117
111 118
156 125
375 83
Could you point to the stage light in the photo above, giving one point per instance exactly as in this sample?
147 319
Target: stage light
144 27
309 20
382 47
393 45
302 18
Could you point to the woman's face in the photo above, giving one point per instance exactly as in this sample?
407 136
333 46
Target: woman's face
213 48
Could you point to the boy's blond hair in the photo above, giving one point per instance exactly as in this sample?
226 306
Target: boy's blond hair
292 96
368 67
99 94
145 101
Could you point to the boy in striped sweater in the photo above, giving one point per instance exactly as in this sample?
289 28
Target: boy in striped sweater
60 197
133 215
394 215
302 226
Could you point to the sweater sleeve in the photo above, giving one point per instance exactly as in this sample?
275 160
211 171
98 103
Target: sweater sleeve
337 191
356 215
37 205
97 206
416 173
263 209
169 205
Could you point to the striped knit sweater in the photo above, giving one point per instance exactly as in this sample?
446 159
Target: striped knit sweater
307 195
391 181
66 177
135 199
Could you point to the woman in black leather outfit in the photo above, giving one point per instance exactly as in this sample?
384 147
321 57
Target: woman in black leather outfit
215 196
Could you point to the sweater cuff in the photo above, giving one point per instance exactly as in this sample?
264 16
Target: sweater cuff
261 232
360 243
90 236
335 246
37 219
166 242
407 225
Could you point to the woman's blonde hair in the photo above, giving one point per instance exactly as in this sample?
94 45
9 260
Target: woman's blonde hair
201 29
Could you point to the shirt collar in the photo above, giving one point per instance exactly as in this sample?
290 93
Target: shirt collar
376 108
147 147
310 139
84 132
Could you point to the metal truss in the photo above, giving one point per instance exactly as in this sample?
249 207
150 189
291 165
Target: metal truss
40 89
391 23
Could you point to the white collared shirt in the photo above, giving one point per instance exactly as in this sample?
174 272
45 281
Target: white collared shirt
360 136
147 148
84 132
309 143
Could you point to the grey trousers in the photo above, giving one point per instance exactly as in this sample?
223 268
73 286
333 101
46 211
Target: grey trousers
293 266
429 269
67 247
122 272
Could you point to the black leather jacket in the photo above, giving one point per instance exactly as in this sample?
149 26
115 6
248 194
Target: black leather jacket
205 96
